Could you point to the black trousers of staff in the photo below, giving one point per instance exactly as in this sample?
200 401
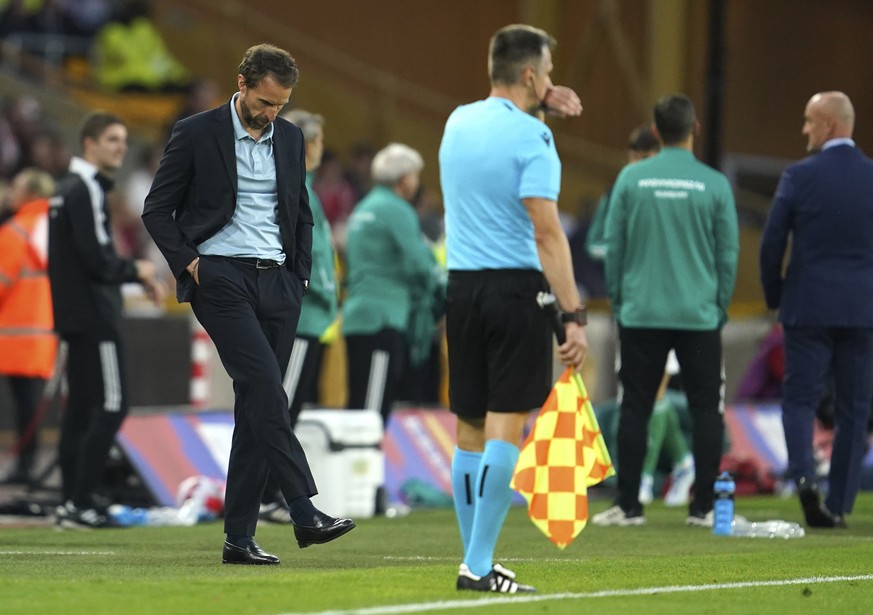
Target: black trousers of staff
96 407
26 394
643 359
376 363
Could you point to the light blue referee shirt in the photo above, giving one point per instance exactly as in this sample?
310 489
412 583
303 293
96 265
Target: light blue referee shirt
254 229
492 156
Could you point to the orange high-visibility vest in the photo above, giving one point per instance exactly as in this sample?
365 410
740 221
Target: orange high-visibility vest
28 345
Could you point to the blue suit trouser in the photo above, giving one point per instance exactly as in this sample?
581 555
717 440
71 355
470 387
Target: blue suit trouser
811 353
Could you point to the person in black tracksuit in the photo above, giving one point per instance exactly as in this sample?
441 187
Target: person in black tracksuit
86 275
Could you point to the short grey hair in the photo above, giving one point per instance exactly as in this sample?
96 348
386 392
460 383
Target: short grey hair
309 123
36 182
393 162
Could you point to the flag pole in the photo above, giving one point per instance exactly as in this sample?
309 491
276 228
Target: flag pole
549 303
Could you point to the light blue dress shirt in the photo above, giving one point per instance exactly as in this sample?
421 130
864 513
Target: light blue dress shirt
253 232
837 141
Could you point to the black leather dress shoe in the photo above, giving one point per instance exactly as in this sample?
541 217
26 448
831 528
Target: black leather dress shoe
816 514
325 529
251 554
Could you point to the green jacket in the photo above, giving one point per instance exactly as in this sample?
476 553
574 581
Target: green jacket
672 244
389 265
319 306
595 240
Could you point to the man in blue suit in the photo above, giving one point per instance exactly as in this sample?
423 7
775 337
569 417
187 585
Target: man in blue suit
825 300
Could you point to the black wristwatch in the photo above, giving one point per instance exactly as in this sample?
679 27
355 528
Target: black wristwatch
305 286
579 316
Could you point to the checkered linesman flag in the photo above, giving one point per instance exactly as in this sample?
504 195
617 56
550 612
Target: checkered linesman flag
563 455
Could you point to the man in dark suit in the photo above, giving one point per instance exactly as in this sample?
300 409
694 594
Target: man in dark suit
230 212
825 300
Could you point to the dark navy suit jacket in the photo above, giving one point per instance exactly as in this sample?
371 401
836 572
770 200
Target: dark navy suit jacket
825 203
193 195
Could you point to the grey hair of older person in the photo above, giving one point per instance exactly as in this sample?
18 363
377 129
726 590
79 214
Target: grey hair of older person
309 123
35 182
393 162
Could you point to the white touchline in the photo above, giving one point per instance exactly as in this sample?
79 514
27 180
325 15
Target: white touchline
57 552
607 593
428 558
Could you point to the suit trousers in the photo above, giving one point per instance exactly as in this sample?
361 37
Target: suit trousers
643 359
301 387
811 353
251 315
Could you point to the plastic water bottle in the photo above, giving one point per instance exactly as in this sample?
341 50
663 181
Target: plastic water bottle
126 516
723 511
774 528
164 515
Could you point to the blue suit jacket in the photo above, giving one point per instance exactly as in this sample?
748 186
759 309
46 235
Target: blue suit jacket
825 202
193 195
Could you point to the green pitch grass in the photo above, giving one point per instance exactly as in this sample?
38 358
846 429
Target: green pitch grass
408 565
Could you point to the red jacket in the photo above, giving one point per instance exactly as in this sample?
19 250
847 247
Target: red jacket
27 342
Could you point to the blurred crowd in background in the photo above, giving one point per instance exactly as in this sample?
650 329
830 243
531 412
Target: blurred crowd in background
125 53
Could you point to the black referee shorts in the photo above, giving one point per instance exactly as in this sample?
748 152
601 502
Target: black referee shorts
500 342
